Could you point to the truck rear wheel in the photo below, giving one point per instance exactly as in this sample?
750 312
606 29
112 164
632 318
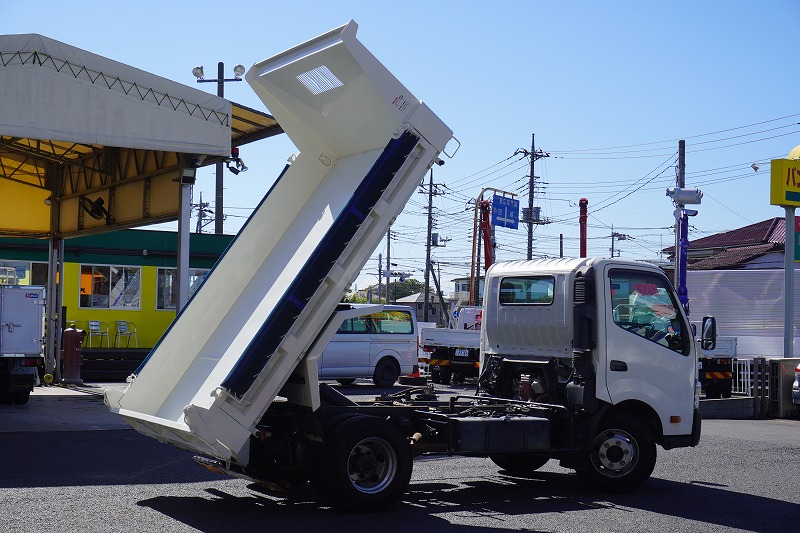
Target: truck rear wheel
365 466
519 463
713 390
622 456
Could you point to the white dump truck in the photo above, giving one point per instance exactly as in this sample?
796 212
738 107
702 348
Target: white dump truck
235 377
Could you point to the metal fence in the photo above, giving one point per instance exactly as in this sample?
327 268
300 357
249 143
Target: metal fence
768 382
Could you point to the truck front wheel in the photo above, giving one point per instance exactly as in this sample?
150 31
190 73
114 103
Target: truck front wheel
365 466
622 456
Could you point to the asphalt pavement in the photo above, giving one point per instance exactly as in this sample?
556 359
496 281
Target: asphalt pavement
62 408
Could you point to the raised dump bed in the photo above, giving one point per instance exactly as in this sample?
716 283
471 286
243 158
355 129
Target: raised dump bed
365 143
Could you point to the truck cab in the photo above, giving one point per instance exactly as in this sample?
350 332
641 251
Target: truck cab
605 334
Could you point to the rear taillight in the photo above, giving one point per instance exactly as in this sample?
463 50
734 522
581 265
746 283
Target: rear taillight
30 361
797 370
427 349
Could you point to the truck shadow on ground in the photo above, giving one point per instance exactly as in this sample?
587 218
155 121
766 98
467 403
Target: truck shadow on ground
501 502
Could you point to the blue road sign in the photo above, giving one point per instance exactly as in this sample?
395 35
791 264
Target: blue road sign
505 212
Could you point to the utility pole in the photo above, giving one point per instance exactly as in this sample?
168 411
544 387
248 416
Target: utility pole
618 236
680 182
432 191
527 215
200 213
531 186
388 261
380 276
680 197
202 209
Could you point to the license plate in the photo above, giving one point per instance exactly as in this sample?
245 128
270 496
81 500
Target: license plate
462 352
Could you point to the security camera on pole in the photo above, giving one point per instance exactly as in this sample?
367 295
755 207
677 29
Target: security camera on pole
680 197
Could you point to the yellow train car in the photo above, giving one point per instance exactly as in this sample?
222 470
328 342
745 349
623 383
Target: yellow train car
120 287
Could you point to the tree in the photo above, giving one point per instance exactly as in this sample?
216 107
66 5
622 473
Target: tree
401 289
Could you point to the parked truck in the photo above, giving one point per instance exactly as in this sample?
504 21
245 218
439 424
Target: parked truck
235 377
453 354
715 368
21 338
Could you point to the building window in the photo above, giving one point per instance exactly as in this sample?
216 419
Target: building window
15 273
39 274
110 287
23 273
167 286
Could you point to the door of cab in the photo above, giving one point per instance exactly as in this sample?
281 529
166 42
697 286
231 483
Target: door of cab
649 353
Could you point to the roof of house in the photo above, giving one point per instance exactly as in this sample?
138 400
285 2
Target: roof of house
772 230
733 257
734 248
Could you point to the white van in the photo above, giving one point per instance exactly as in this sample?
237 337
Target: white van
381 346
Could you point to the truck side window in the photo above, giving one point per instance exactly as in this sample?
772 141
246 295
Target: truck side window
527 290
644 305
354 325
392 322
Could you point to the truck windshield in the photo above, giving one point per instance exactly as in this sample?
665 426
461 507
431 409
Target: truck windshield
643 304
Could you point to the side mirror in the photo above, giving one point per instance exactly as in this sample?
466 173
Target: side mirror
709 339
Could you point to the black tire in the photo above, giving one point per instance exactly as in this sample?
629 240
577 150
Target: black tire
446 375
386 373
346 382
365 466
713 391
311 457
622 456
436 375
519 463
727 390
22 398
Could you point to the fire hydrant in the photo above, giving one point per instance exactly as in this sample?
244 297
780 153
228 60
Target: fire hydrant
72 359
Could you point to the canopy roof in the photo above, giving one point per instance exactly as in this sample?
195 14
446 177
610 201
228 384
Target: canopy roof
76 127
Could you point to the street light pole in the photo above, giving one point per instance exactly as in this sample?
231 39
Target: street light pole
219 184
238 70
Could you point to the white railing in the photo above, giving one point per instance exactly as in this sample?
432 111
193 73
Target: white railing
743 376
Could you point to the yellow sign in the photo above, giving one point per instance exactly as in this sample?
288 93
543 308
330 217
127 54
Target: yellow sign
785 182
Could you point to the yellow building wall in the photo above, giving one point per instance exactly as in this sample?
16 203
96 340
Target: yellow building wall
150 322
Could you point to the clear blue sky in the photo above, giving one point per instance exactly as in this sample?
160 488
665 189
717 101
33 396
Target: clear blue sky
607 87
